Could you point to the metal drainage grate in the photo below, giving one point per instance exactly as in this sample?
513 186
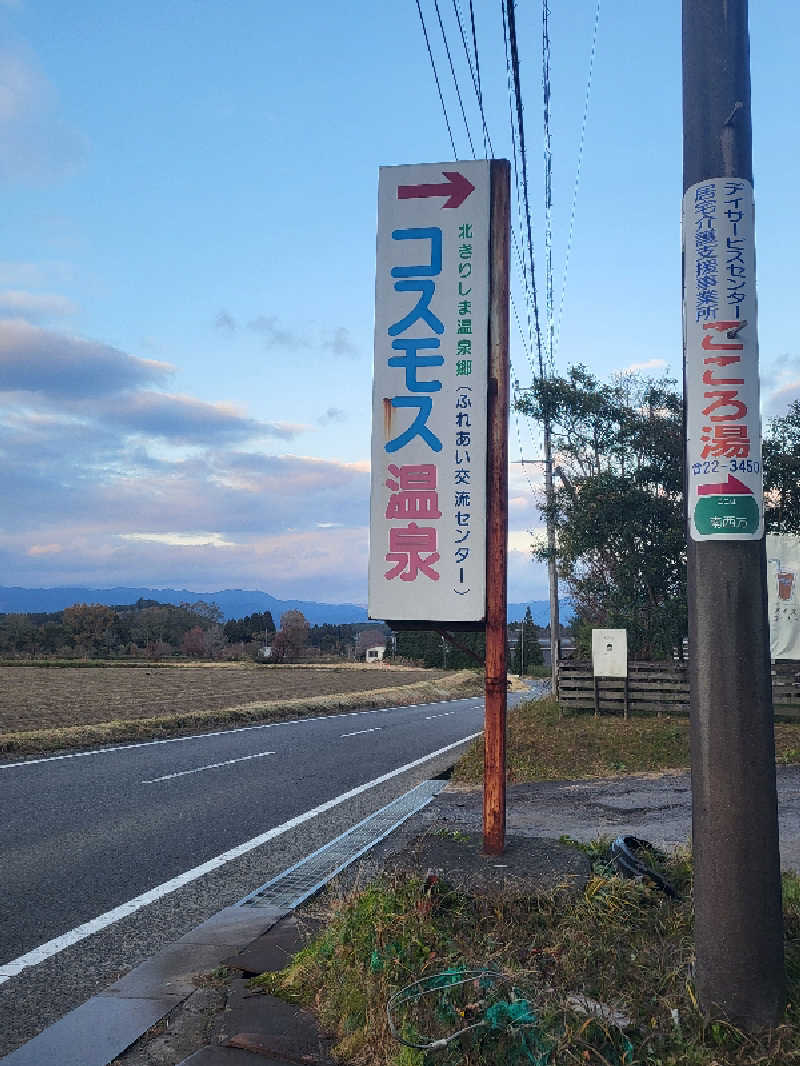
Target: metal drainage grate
298 882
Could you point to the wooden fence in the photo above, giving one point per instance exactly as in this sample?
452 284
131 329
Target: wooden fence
657 688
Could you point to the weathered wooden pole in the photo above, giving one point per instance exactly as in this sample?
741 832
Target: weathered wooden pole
738 920
494 776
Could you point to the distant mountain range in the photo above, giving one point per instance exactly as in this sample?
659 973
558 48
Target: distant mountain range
234 603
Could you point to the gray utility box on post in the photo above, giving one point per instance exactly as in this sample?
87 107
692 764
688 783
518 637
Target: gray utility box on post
610 652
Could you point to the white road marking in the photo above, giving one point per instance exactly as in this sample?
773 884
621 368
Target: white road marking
202 736
358 732
210 766
80 932
444 714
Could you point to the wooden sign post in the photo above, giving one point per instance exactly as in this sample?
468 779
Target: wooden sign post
494 737
439 502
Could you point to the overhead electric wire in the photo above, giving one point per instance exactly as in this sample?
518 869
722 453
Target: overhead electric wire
488 147
510 21
475 74
548 187
436 79
518 190
573 209
455 78
477 61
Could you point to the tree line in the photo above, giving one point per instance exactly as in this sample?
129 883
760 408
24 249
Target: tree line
468 650
619 500
151 630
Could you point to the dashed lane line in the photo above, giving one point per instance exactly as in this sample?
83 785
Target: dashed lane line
209 766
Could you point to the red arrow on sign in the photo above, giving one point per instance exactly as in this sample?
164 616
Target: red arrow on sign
457 188
732 487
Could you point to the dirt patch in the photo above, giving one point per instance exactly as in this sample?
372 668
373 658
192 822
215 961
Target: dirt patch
45 710
42 698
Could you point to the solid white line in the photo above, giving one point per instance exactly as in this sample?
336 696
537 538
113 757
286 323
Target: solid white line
80 932
210 766
358 732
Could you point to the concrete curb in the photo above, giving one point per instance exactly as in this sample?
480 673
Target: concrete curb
94 1033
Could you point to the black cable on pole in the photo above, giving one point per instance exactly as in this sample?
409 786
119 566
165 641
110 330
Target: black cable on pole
455 78
475 50
436 79
512 37
573 208
518 190
488 147
548 187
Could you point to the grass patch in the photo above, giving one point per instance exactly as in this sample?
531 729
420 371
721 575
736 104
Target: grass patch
620 950
182 722
541 746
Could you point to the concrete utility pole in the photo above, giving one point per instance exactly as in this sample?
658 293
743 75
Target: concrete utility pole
738 916
552 572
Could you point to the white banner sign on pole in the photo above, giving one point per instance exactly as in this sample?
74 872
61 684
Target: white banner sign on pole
428 501
783 585
723 424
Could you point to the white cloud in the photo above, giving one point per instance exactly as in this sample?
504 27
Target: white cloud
780 384
644 367
35 142
181 540
34 305
520 540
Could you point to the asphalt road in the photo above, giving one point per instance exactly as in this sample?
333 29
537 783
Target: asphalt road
84 834
80 836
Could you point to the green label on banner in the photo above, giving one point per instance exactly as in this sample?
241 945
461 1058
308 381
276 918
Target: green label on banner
726 516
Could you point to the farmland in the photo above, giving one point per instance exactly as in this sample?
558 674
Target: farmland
34 698
45 709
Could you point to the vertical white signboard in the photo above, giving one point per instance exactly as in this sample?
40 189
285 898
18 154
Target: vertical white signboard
428 502
723 424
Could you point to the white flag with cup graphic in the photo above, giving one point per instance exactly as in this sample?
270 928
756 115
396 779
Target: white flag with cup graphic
783 581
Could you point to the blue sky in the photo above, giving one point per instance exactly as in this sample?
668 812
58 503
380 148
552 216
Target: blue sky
187 263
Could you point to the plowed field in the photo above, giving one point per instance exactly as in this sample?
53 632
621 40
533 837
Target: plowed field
34 697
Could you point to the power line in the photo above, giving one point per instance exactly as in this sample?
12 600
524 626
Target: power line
474 73
581 141
436 79
455 78
548 186
477 66
514 156
510 20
